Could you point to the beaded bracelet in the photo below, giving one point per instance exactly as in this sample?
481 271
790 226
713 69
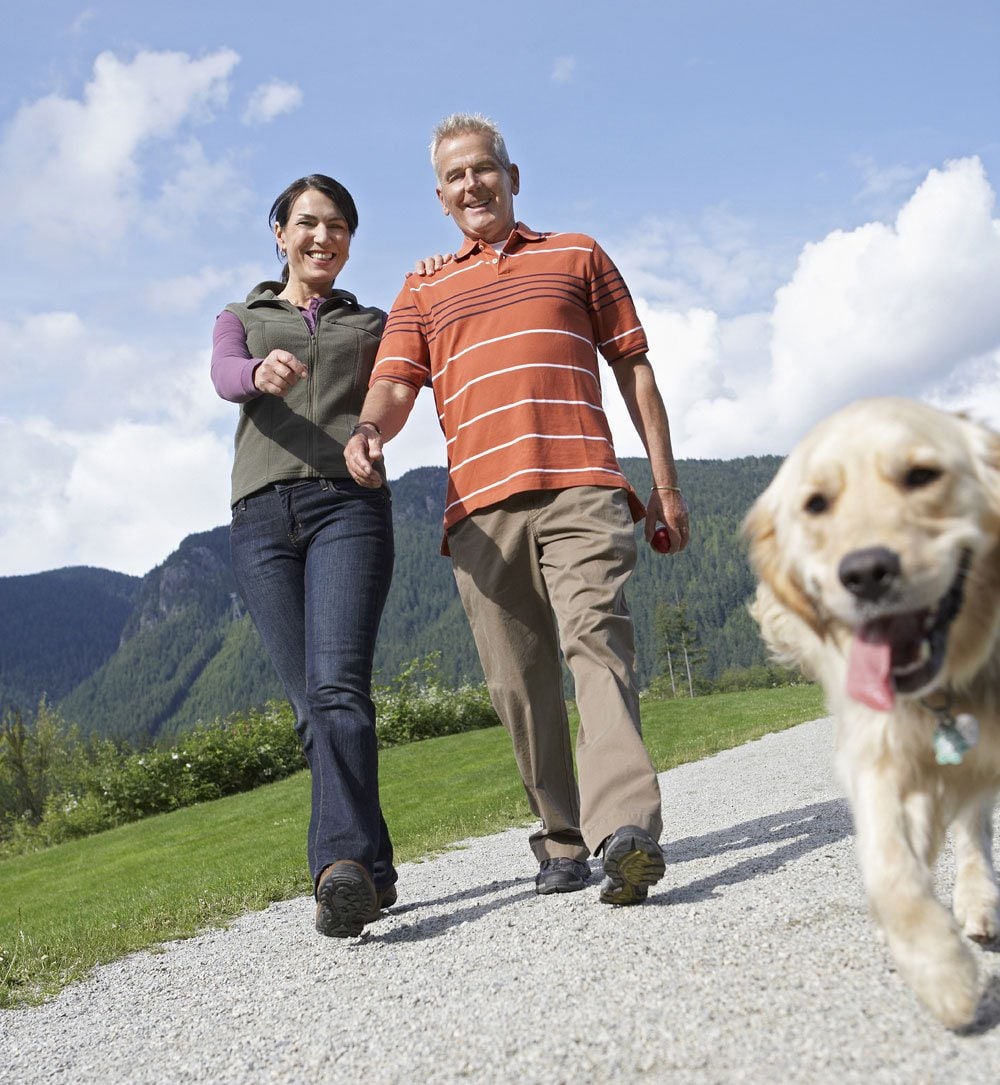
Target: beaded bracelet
360 424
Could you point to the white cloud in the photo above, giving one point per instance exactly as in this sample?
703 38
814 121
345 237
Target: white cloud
132 453
562 69
884 188
892 307
121 497
81 22
72 168
271 100
907 307
41 354
59 365
716 263
124 494
192 184
188 293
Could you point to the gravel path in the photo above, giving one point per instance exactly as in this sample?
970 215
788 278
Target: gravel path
754 961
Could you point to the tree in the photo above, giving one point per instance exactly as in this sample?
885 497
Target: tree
677 641
29 753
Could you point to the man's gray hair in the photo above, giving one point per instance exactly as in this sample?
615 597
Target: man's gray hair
465 124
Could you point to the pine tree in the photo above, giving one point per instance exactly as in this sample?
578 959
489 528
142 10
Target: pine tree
677 639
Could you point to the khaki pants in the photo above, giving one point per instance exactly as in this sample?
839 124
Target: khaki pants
535 571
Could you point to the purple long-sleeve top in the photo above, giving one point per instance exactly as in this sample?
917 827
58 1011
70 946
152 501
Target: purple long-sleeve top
232 364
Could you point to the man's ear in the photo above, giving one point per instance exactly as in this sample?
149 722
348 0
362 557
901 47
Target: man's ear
444 206
515 179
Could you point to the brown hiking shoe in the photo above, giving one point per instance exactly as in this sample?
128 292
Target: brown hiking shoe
345 899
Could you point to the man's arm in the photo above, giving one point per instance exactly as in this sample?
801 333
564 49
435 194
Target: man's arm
386 409
642 397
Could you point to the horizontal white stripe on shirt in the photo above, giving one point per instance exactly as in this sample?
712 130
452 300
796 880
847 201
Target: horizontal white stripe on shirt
518 368
526 437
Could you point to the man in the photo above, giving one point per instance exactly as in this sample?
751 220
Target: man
538 516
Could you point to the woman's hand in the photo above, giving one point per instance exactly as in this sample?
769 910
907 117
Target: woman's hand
361 453
279 373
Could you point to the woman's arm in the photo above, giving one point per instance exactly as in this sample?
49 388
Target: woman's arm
232 366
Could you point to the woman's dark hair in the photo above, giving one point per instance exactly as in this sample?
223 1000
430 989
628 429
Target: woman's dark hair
334 190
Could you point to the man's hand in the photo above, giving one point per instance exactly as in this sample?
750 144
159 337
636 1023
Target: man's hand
431 264
361 453
668 507
278 373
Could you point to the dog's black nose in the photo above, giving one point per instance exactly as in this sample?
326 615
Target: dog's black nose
869 573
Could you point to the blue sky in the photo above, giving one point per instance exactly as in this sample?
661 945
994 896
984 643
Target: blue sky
801 196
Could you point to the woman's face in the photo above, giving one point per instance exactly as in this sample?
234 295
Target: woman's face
316 239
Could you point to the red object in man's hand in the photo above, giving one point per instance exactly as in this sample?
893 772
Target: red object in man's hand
661 540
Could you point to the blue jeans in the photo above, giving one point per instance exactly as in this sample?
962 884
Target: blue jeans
313 561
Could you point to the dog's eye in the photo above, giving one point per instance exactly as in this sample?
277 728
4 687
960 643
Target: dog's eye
816 504
917 477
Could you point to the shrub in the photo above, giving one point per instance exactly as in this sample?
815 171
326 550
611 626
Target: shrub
416 706
760 676
104 786
660 689
54 786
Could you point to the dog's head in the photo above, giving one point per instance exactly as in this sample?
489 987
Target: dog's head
883 525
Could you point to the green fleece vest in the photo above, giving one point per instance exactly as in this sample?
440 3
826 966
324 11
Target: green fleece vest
303 435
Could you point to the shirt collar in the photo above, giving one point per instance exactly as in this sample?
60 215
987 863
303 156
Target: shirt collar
473 245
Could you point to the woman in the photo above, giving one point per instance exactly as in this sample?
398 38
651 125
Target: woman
312 551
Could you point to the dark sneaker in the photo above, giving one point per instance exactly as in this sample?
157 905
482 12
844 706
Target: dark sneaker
633 861
384 898
345 899
561 875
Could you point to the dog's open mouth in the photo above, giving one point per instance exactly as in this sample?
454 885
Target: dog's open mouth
903 653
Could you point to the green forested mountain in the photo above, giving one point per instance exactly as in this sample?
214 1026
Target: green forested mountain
182 630
57 628
142 660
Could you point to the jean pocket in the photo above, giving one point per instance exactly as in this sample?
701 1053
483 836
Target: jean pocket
347 487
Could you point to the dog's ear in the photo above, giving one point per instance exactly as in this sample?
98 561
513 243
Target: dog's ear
991 460
790 640
760 529
986 451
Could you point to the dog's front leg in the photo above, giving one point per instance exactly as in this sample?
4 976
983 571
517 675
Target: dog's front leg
977 897
897 841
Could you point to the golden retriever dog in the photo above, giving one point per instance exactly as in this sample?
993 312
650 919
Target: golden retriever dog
877 549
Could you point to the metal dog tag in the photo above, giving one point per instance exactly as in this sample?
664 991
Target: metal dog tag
954 738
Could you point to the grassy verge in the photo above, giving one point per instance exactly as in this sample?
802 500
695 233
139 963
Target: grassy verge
94 900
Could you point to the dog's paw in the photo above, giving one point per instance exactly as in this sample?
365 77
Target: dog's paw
954 1002
984 929
977 915
947 982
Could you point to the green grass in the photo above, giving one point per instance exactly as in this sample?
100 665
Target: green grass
66 909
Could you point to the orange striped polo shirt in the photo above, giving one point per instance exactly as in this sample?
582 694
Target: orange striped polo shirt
510 346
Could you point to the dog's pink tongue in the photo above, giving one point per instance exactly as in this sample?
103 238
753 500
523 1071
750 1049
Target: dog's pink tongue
869 677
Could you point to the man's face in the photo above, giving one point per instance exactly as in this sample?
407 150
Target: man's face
474 188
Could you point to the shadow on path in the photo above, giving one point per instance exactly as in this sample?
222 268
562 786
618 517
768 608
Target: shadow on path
431 926
795 832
